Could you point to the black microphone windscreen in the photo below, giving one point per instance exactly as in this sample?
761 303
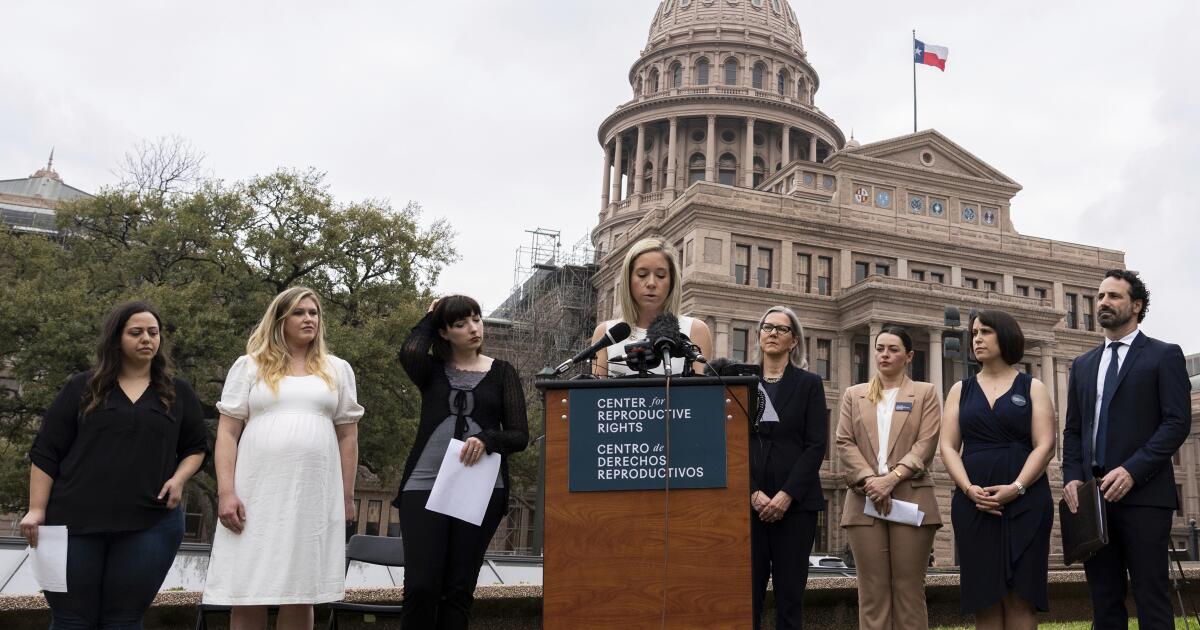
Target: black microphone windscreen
665 326
619 332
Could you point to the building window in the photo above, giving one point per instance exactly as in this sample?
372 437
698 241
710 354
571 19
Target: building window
760 172
861 271
653 80
920 359
738 340
824 346
727 168
937 276
804 273
781 83
677 76
861 366
1027 368
824 275
1089 311
393 528
731 72
989 285
756 78
353 526
882 269
1072 311
1039 293
1023 290
971 283
741 264
917 274
696 168
702 72
374 513
764 267
648 177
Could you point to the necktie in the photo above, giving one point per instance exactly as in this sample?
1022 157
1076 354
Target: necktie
1110 387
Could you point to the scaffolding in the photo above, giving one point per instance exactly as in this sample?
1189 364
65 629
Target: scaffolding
551 311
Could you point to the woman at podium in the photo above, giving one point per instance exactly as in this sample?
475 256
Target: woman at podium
887 435
649 287
787 445
997 439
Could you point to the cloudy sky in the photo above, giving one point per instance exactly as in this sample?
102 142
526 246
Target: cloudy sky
485 111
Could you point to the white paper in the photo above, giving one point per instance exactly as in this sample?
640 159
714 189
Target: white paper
464 492
902 512
50 558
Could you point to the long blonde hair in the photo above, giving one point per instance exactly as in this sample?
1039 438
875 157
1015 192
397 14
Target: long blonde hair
269 349
875 389
629 309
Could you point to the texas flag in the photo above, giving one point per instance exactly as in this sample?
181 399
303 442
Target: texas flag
930 55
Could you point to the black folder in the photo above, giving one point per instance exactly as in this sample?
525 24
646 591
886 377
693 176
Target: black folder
1085 532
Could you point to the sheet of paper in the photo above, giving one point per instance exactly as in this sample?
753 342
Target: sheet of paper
901 512
50 558
463 492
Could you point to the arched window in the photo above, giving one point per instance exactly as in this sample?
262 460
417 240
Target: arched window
648 177
676 75
802 90
653 80
727 169
781 83
663 176
760 171
756 79
696 165
731 71
702 72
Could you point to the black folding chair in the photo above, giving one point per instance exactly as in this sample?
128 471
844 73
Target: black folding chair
381 550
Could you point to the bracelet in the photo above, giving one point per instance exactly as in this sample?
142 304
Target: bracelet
899 477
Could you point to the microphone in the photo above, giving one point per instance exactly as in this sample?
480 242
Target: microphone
664 336
619 332
690 350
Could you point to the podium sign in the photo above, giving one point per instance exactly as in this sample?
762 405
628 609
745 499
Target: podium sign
619 439
636 553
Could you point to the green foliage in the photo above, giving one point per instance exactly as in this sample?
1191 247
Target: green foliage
211 260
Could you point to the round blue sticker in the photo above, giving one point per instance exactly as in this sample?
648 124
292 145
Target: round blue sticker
1019 400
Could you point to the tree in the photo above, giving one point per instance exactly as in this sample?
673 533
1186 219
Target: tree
211 259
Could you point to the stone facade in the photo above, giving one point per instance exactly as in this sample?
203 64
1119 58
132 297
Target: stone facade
768 204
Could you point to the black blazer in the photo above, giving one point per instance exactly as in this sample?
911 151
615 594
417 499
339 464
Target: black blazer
1149 419
787 455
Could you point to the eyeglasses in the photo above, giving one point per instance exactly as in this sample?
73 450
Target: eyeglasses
770 328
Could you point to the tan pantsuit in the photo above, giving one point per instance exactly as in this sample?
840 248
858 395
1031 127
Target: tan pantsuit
891 558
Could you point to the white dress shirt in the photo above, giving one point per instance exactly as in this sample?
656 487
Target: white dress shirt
883 422
1105 359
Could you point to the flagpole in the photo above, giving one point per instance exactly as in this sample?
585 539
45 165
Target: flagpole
914 65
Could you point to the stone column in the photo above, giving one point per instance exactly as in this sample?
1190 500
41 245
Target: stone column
671 151
935 360
956 276
812 148
902 268
1010 287
876 328
748 157
639 161
710 152
617 159
846 268
845 342
787 145
721 340
607 179
1048 378
786 278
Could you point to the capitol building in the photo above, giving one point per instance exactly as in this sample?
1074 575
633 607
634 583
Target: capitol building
722 150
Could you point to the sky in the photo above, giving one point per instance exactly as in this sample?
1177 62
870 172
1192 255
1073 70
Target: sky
485 111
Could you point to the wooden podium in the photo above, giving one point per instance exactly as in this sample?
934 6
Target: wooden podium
624 559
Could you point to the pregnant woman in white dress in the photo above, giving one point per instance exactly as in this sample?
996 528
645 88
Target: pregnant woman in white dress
286 457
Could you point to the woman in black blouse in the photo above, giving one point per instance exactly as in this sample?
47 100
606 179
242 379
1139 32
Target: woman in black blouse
468 396
110 462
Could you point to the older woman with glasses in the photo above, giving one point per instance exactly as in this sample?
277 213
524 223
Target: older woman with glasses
786 450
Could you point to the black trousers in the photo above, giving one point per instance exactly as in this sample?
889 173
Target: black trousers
442 556
780 551
1137 543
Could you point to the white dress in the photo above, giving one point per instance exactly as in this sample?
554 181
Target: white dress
289 477
637 334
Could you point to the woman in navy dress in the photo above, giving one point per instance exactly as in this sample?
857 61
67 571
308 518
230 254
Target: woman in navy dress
997 439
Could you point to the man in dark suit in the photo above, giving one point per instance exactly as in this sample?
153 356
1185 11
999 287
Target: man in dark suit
1128 411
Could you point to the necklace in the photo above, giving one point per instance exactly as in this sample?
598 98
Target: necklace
772 379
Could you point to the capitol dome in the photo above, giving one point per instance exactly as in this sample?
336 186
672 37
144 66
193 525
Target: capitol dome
765 17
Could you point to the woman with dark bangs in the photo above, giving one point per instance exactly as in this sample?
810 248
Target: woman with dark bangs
111 460
468 396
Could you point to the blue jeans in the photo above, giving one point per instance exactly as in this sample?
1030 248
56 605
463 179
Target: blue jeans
112 578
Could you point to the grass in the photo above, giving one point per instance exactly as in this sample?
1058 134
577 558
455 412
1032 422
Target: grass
1083 625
